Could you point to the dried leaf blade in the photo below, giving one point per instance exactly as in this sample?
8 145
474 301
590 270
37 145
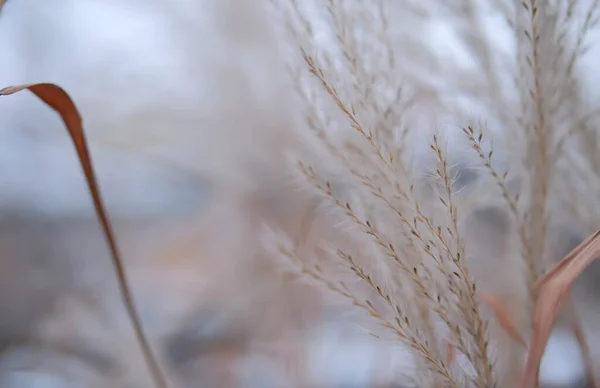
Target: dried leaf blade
554 290
55 97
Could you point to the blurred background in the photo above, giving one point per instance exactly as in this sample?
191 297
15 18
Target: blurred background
187 106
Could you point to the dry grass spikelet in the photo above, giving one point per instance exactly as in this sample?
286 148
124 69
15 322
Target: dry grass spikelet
357 99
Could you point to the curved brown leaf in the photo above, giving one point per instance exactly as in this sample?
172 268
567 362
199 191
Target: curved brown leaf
503 317
554 289
577 327
59 100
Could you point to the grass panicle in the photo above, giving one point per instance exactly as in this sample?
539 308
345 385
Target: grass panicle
371 112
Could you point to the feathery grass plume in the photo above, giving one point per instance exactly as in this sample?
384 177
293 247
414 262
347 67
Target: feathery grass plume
374 96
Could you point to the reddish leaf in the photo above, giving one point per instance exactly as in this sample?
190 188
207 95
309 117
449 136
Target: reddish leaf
577 327
60 101
503 316
554 289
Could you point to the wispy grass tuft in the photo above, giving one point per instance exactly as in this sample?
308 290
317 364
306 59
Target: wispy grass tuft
397 125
